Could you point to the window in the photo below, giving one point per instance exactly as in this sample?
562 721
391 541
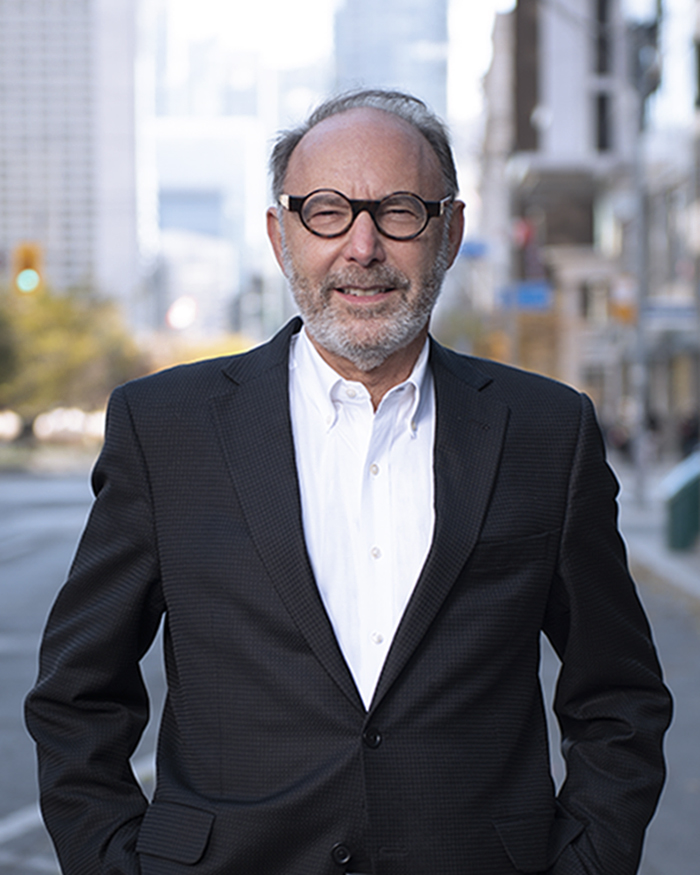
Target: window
603 63
603 122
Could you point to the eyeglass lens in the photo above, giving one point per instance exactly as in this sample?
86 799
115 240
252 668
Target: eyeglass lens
329 213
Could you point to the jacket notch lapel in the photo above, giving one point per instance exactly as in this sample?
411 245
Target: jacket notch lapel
469 434
253 423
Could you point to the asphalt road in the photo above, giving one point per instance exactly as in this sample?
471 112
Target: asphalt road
40 521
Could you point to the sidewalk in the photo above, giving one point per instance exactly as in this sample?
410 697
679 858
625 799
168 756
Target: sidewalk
643 522
669 586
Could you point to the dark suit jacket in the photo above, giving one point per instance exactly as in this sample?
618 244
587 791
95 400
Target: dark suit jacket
268 763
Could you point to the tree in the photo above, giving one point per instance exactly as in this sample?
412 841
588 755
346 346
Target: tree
8 351
63 350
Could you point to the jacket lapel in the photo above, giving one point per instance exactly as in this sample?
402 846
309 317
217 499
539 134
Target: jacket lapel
468 438
254 427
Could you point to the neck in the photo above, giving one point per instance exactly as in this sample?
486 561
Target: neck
392 371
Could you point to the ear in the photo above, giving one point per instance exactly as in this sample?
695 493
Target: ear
456 231
274 232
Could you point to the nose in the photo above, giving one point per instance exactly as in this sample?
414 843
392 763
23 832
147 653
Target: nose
364 243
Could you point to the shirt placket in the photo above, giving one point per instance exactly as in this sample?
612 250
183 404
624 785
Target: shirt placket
377 613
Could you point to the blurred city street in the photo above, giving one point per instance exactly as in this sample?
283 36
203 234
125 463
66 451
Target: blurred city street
41 515
135 139
669 584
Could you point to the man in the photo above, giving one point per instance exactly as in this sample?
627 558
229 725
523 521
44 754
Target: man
356 538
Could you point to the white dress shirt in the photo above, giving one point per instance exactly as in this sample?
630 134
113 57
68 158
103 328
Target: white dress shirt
366 483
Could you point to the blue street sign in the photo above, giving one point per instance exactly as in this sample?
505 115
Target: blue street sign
473 248
527 295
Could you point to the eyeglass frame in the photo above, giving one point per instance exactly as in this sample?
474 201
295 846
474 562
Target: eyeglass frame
433 210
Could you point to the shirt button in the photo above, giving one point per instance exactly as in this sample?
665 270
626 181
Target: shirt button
377 637
350 392
376 552
374 468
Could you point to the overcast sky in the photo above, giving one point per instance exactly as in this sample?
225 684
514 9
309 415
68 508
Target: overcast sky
296 33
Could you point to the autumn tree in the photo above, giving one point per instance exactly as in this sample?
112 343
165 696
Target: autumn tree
66 349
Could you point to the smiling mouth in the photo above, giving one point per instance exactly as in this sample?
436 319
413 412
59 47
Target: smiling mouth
363 293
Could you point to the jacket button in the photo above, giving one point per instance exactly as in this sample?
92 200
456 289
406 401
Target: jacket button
372 737
340 854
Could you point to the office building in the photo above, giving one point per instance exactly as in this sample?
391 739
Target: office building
394 44
68 143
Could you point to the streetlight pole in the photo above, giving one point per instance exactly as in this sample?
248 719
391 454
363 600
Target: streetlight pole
640 368
646 72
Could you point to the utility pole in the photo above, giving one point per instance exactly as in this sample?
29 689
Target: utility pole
696 195
646 73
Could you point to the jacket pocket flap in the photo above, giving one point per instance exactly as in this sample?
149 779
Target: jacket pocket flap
511 554
526 841
175 832
534 843
565 829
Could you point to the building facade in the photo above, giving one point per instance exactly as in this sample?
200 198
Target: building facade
217 109
588 213
394 44
68 143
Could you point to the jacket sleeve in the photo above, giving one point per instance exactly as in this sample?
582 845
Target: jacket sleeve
89 706
612 706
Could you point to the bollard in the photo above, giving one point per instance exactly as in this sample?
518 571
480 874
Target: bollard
682 491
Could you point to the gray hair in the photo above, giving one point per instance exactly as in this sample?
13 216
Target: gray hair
398 103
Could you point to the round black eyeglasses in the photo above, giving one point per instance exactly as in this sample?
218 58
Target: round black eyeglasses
399 216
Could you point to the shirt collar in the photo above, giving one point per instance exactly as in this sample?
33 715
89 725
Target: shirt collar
322 385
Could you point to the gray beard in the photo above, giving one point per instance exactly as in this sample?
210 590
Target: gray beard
395 326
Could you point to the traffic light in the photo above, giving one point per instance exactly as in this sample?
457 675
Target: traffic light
27 263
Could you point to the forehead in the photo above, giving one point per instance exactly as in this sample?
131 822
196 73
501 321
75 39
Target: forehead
365 153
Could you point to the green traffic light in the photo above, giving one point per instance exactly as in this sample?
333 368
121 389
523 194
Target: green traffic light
28 280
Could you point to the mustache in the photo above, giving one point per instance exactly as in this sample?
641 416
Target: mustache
380 275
